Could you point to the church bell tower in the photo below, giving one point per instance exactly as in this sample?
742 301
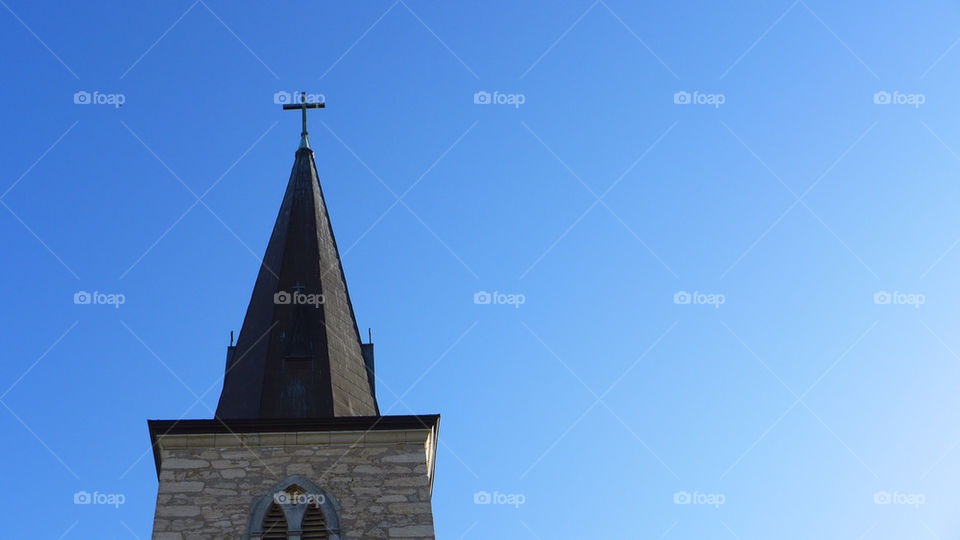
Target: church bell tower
297 448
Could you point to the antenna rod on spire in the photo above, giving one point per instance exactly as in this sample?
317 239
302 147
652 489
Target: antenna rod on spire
303 106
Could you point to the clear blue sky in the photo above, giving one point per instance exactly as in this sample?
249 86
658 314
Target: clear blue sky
796 402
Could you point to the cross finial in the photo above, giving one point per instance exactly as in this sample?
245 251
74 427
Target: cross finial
303 106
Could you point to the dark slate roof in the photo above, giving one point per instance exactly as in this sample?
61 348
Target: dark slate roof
300 359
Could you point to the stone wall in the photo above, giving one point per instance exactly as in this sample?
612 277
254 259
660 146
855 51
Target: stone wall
207 488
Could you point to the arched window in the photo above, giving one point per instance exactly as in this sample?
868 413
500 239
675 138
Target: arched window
274 523
314 525
296 509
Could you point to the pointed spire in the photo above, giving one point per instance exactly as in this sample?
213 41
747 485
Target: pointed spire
299 352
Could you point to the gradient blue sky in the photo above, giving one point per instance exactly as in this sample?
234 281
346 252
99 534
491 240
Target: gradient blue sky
797 402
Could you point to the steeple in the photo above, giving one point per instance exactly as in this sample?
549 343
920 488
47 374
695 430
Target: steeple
299 353
298 398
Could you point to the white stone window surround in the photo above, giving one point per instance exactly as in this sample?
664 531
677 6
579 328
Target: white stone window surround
294 512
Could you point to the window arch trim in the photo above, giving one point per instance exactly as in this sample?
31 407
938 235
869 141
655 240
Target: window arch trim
294 513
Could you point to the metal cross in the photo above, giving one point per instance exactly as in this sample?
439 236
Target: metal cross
303 106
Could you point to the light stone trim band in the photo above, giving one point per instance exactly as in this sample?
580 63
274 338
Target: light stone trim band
301 438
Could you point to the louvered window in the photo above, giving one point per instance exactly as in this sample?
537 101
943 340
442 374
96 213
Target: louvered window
314 524
297 508
274 523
